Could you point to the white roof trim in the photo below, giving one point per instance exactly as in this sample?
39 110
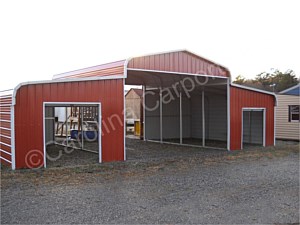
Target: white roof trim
291 88
256 90
178 73
125 66
60 81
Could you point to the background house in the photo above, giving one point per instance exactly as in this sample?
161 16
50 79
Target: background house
134 101
287 114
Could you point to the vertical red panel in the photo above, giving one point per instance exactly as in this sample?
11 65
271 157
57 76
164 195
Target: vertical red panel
171 59
99 87
189 63
68 91
106 117
88 92
241 98
180 62
176 62
198 67
162 63
151 61
156 62
193 65
167 62
147 63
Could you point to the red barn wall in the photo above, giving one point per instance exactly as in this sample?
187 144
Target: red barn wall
240 98
29 115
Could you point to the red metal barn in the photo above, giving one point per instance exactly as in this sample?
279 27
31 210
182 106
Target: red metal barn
188 100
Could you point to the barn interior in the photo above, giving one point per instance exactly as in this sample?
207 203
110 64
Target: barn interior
183 109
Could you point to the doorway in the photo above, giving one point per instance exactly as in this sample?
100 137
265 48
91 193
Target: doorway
72 133
253 127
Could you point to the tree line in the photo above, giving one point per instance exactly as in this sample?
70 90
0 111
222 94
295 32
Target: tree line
274 81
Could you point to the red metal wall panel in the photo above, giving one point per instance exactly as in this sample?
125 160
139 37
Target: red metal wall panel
181 61
5 128
29 115
240 98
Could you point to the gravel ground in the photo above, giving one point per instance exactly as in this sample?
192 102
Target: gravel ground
161 184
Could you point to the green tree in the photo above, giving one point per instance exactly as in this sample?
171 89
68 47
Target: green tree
277 80
239 80
274 81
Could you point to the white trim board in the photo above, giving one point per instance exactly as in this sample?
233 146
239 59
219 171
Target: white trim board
124 117
228 115
275 125
144 113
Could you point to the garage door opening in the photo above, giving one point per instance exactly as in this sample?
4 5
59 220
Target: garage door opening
72 135
253 127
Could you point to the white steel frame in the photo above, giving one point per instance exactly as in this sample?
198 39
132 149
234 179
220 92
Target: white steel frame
144 113
228 115
124 123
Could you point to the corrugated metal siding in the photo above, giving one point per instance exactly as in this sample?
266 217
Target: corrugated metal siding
186 116
109 69
29 115
240 98
152 118
216 116
181 61
215 106
171 119
5 127
170 114
284 128
196 118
